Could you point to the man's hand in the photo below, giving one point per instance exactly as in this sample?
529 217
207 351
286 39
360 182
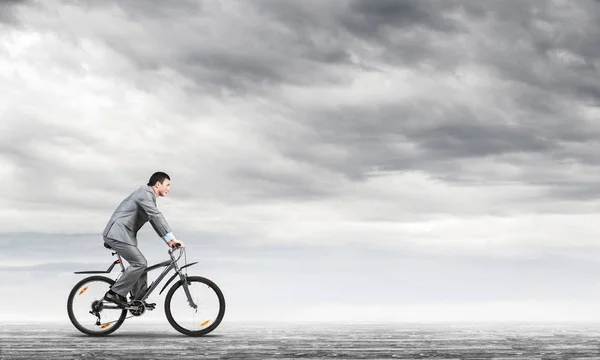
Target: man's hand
173 243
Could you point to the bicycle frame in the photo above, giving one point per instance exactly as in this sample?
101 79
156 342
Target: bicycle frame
168 264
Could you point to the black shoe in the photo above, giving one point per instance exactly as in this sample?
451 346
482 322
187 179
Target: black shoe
115 298
149 306
146 305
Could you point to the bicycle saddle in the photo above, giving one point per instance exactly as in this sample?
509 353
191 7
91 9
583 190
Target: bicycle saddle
107 246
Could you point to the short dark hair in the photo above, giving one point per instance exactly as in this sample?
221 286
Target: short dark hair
158 176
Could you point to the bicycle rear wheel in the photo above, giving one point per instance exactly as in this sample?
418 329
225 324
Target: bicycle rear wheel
195 322
85 298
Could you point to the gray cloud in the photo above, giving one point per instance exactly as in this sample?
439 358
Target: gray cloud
318 97
256 56
9 11
538 80
402 14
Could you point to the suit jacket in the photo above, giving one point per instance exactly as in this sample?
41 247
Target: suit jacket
133 212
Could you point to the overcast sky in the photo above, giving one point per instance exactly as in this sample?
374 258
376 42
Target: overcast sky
330 160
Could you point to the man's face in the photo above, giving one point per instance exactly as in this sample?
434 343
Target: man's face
163 188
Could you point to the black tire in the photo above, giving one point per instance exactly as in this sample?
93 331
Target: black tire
216 321
72 317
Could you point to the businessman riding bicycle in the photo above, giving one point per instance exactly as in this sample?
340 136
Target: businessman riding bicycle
121 235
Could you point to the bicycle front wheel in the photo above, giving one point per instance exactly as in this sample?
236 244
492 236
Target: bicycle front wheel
86 310
210 304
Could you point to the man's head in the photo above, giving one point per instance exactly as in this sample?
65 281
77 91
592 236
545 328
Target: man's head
160 183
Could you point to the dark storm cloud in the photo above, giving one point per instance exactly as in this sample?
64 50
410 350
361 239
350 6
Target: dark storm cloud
520 38
550 49
206 43
369 15
372 137
544 57
525 42
294 42
540 58
9 11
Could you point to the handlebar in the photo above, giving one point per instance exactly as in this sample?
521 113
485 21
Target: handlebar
172 249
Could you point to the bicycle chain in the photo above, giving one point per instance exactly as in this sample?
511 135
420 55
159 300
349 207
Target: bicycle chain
99 324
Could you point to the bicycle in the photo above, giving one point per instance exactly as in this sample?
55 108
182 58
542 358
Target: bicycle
93 316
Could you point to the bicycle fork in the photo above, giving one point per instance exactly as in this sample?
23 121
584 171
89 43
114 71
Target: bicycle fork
186 289
185 285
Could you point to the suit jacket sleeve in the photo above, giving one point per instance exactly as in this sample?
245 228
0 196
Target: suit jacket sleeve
155 217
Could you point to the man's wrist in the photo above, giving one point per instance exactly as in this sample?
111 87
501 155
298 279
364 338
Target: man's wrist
168 237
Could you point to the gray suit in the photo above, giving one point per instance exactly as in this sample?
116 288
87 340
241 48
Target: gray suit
132 214
121 234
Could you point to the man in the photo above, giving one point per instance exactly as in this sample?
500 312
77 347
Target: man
121 231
